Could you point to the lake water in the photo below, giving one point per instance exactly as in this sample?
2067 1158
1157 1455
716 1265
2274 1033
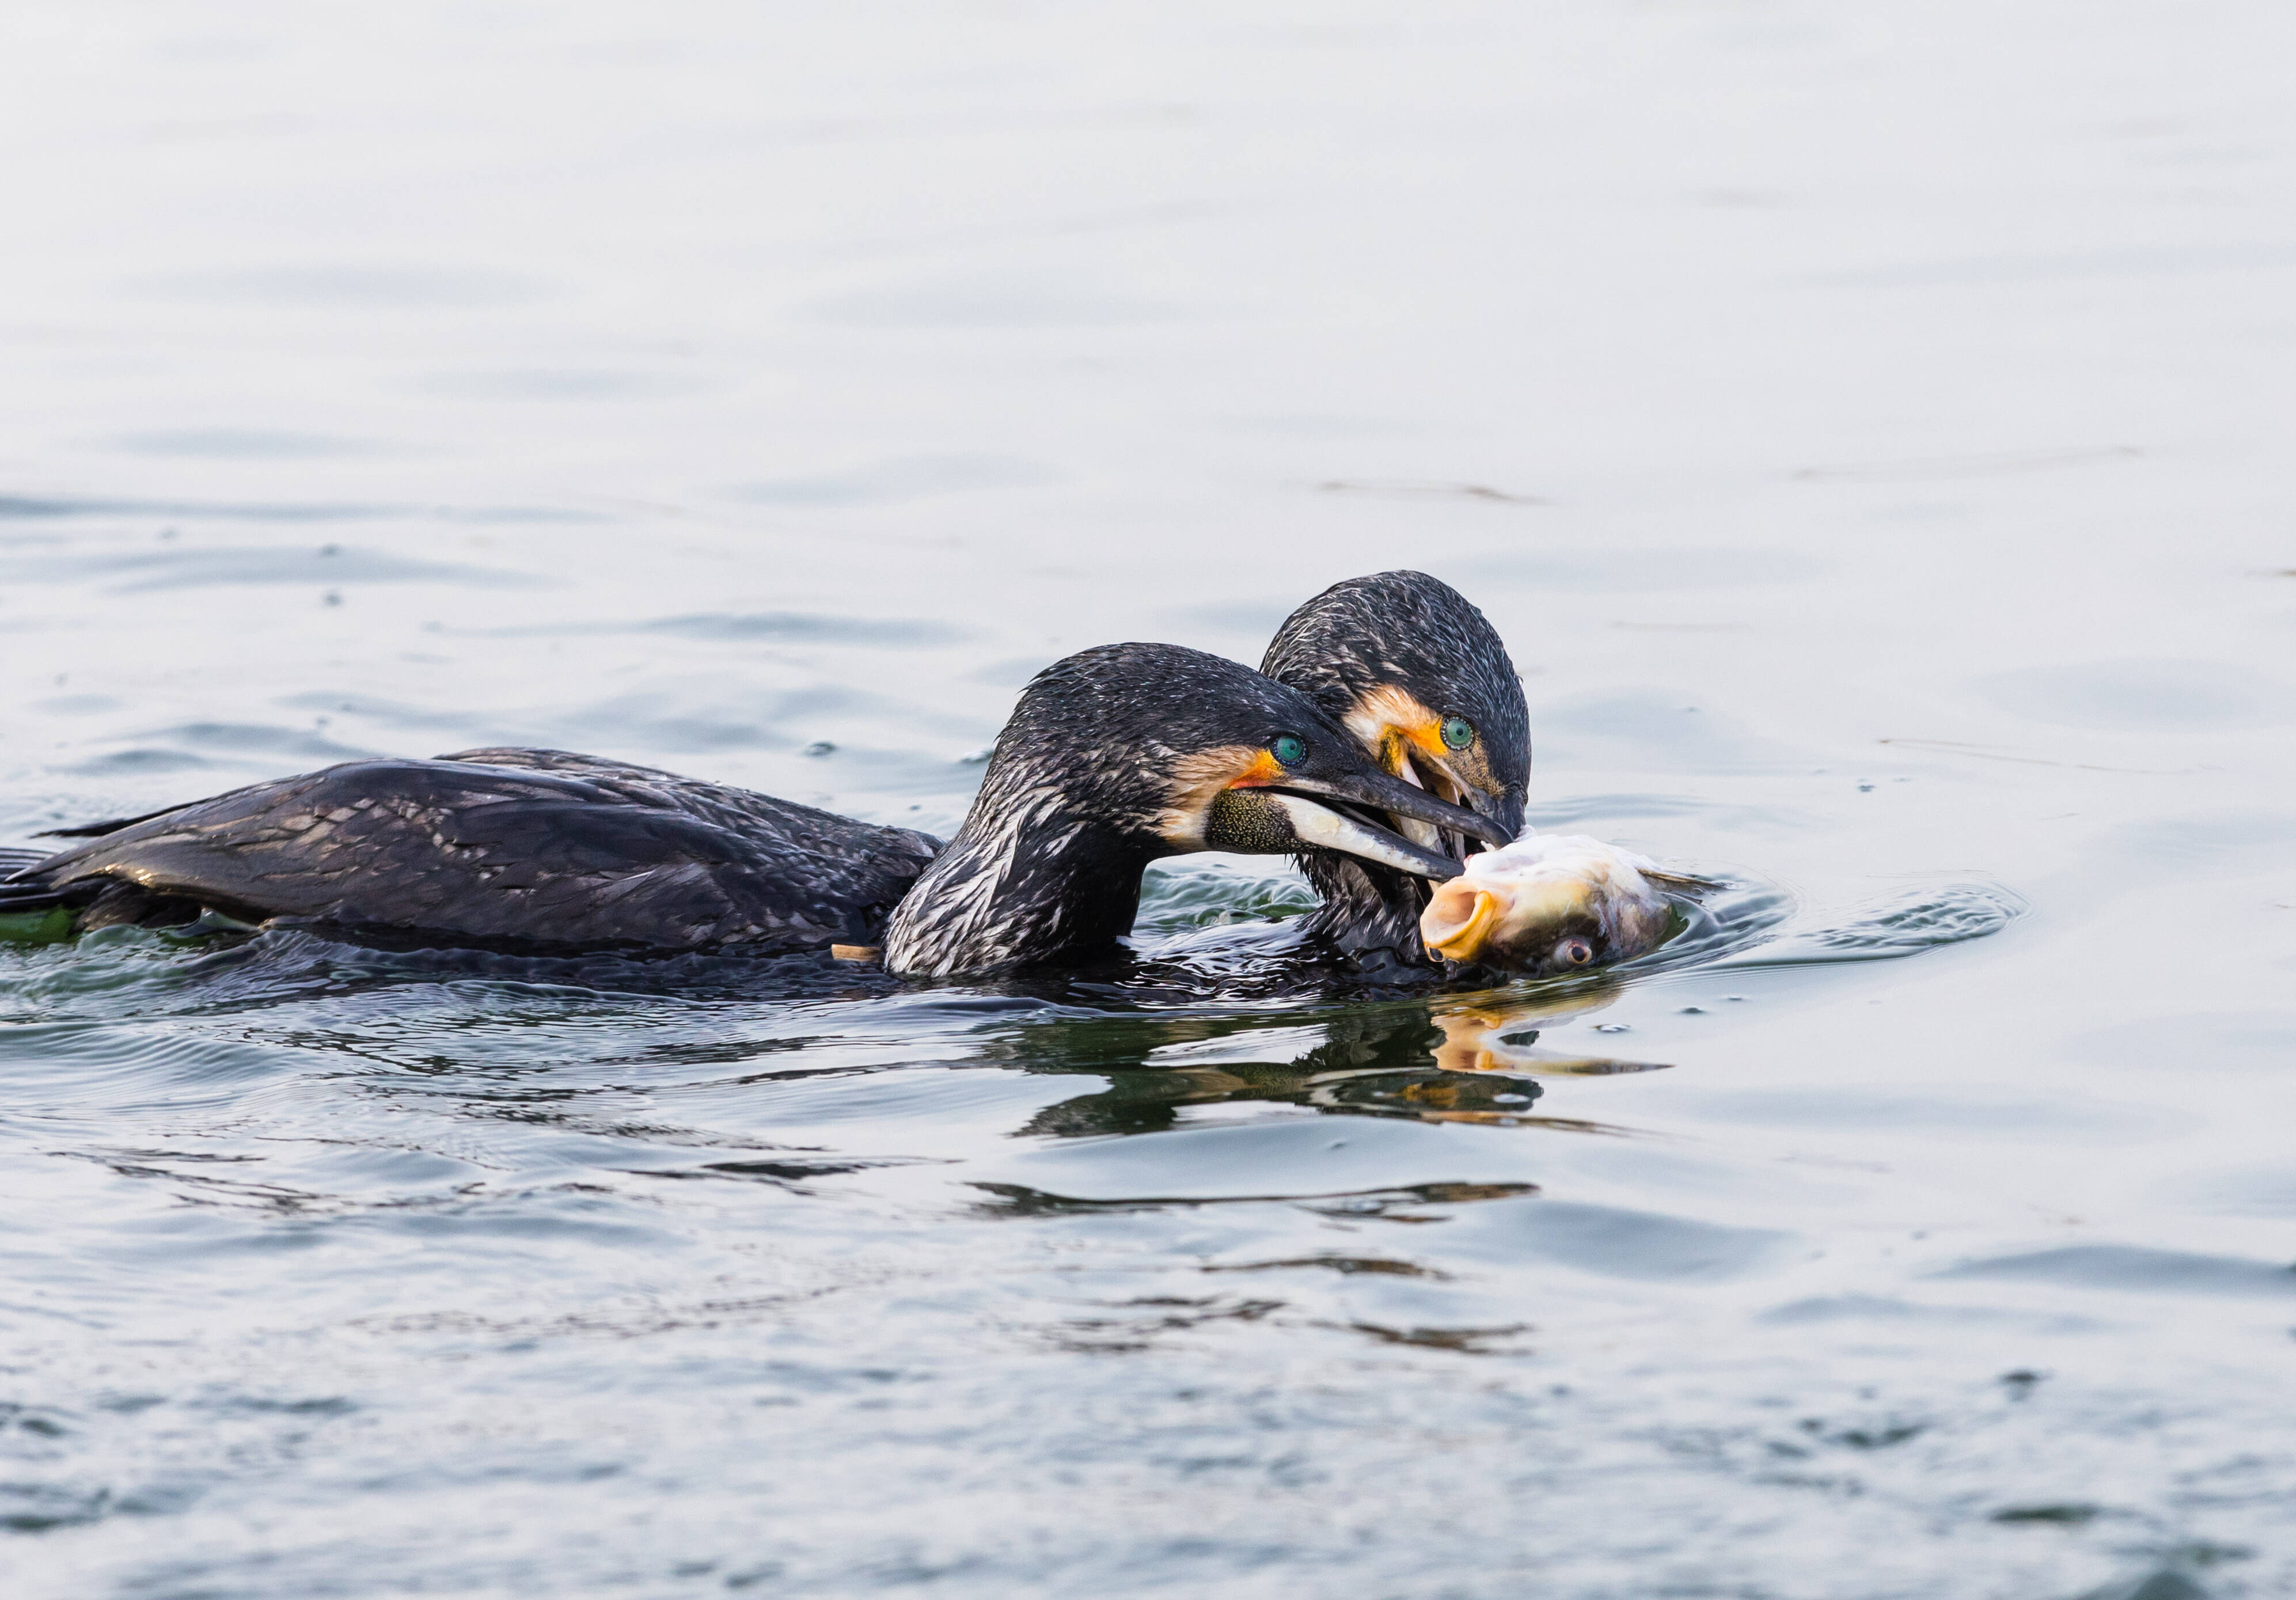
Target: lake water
1868 426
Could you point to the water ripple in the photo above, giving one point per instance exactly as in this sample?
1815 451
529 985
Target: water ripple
1905 923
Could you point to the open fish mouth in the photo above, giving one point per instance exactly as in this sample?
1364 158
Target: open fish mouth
1551 925
1552 904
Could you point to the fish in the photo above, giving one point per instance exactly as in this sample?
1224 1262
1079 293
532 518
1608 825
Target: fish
1554 903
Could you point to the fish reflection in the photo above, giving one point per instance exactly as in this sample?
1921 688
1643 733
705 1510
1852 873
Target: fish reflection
1501 1036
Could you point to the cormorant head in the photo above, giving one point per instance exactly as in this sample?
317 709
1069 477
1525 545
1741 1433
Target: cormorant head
1420 679
1125 753
1180 751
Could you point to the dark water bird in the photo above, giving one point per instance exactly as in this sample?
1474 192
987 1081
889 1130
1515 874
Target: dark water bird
1421 680
1113 758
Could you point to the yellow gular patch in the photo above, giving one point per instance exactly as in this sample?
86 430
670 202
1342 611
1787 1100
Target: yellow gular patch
1387 710
1429 737
1387 720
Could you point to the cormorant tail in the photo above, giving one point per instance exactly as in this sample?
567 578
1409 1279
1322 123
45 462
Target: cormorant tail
96 830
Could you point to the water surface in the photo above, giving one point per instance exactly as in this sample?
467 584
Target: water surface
1869 432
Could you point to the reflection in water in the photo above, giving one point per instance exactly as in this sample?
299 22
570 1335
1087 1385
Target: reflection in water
1392 1205
1390 1042
1431 1097
1149 1101
1436 1061
1500 1037
1472 1058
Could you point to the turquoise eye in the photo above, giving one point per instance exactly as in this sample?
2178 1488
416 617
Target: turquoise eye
1458 733
1289 749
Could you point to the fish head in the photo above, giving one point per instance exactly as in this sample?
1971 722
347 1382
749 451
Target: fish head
1564 907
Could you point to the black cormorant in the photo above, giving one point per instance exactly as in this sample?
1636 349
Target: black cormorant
1421 680
1113 758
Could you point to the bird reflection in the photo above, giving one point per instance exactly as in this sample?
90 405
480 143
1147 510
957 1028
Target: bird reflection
1473 1059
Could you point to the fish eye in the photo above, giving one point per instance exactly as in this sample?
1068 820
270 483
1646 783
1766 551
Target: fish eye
1458 733
1289 749
1574 951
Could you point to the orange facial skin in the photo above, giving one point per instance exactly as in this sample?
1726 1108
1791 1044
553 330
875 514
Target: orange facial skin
1429 737
1264 772
1393 723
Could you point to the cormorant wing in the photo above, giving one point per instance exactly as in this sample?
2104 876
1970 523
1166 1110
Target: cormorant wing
523 848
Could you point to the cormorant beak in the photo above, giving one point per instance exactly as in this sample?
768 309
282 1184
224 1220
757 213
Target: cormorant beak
1396 796
1323 828
1279 814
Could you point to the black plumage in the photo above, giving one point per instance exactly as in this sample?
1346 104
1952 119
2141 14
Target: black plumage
1396 657
1113 758
527 849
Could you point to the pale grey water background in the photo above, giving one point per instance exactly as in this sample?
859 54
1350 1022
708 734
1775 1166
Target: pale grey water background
1869 426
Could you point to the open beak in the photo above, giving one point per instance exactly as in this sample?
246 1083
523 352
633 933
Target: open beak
1410 806
1291 813
1408 758
1404 801
1325 829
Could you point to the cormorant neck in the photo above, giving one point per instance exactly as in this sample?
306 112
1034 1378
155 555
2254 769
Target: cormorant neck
999 896
1366 908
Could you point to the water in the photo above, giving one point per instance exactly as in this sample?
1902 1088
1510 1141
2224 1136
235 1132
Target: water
1869 431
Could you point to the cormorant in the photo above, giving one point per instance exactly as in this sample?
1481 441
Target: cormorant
1420 678
1113 758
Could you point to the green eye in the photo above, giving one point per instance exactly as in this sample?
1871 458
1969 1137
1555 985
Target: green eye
1289 749
1458 733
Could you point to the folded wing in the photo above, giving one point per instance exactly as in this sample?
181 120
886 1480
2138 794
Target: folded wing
539 848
